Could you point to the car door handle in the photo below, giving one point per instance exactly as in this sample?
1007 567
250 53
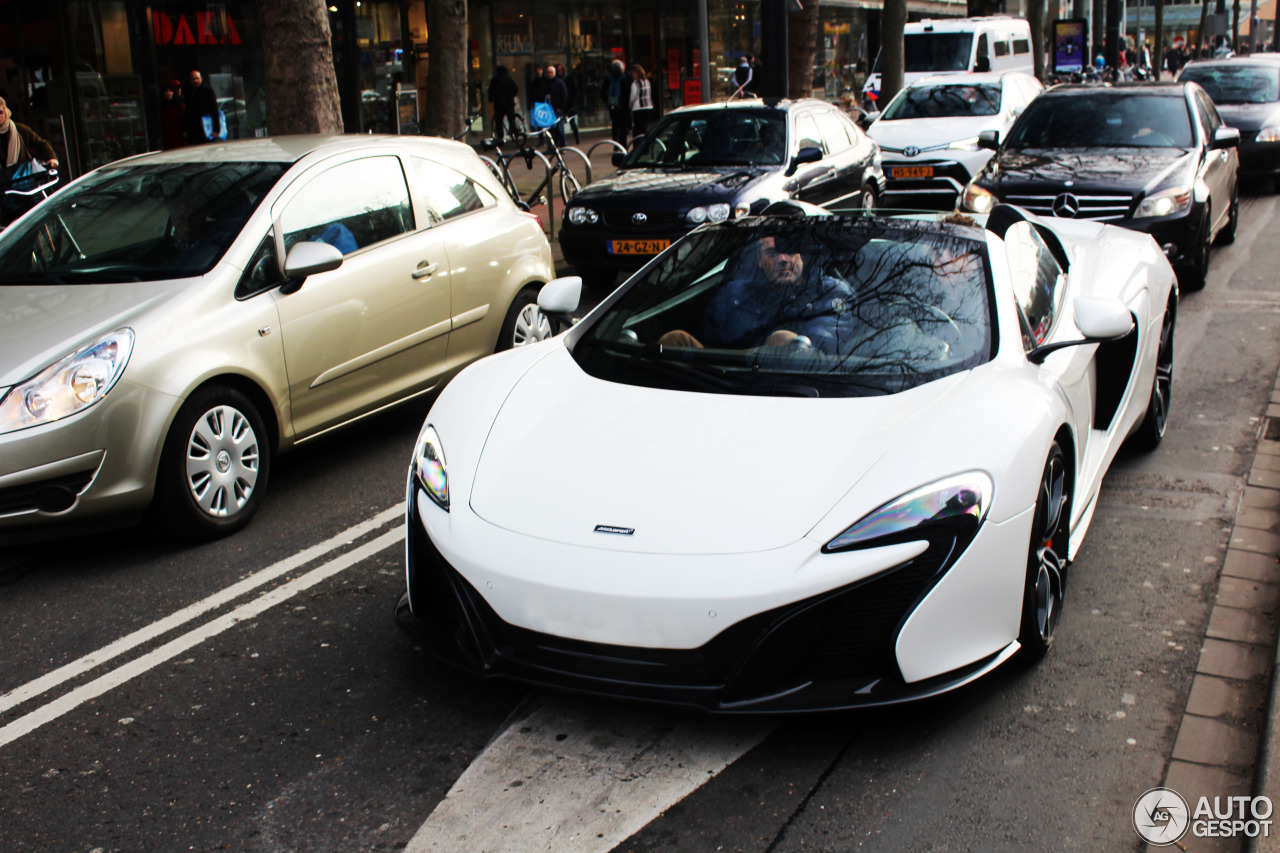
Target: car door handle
424 270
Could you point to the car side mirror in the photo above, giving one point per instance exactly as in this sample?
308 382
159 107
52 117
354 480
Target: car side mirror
867 119
559 298
308 259
1225 137
807 154
989 139
1099 318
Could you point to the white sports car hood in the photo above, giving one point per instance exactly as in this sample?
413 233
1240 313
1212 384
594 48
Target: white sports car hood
687 473
926 133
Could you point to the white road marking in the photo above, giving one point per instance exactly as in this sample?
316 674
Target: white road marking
580 776
73 699
94 659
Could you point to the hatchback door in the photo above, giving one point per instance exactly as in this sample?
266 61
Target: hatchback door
375 330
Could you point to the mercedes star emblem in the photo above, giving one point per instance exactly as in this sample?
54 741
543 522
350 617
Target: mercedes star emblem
911 151
1066 206
638 219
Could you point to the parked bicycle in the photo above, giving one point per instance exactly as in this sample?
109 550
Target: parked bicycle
557 168
28 186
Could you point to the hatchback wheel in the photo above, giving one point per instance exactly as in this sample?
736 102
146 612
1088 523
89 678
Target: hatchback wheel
525 323
214 466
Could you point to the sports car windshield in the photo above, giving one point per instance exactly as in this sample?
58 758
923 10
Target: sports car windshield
1101 119
136 223
1236 84
945 101
728 137
822 307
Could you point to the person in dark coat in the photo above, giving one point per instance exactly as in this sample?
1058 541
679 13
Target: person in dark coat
615 92
200 102
19 143
502 95
571 103
172 111
552 89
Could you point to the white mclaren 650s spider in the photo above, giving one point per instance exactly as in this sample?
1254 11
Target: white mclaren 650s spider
792 464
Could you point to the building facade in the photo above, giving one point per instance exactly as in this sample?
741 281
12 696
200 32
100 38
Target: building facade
90 75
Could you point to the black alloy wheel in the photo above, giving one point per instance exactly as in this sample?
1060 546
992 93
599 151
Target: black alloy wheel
1196 275
1227 235
1046 559
1151 431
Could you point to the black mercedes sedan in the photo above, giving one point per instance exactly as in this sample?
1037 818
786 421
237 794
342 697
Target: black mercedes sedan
712 162
1246 92
1152 157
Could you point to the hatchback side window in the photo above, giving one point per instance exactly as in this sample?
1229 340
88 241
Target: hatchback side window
1037 282
448 193
351 206
263 272
832 128
807 132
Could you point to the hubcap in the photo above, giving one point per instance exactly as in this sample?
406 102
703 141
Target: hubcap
1048 549
222 461
1162 391
531 326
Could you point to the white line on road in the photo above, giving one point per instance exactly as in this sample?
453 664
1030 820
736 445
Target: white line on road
581 777
78 667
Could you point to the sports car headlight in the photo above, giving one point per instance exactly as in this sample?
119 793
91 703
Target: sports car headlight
961 500
977 199
430 470
1269 134
742 208
1165 203
970 144
709 213
583 216
70 385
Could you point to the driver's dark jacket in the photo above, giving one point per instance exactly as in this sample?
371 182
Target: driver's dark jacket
746 311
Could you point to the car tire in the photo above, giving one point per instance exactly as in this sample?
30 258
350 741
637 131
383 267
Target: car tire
1195 276
869 199
1151 431
1227 235
214 466
525 323
1046 575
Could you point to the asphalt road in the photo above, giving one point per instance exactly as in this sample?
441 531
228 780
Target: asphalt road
291 714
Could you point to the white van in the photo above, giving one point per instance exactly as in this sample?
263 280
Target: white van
958 45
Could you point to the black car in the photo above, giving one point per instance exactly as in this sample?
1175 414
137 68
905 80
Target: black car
1247 95
712 162
1151 157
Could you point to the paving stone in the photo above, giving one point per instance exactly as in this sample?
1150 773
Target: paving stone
1241 626
1258 519
1194 781
1273 410
1248 539
1260 497
1269 479
1251 565
1268 448
1219 698
1267 462
1251 595
1202 740
1235 660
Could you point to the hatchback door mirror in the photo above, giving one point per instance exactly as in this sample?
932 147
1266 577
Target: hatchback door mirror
1225 137
307 259
807 154
989 139
868 118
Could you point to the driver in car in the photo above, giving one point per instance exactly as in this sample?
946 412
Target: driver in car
778 303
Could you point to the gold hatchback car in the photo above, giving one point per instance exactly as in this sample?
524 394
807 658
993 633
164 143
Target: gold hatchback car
170 322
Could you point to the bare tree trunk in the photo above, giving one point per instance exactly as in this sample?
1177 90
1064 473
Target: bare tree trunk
1157 58
803 35
301 85
446 106
892 22
1035 19
981 8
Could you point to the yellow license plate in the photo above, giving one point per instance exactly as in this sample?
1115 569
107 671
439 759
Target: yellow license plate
911 172
637 247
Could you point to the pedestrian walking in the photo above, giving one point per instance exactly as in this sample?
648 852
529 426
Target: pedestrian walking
615 92
502 98
641 101
201 104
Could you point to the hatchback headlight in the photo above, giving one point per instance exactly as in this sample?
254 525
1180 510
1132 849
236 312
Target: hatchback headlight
1269 134
958 501
709 213
68 386
583 216
1165 203
977 199
430 471
970 144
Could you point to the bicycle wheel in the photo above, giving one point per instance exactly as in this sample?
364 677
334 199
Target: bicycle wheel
518 132
569 185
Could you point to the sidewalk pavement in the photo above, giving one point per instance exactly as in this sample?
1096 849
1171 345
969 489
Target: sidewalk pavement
1228 743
